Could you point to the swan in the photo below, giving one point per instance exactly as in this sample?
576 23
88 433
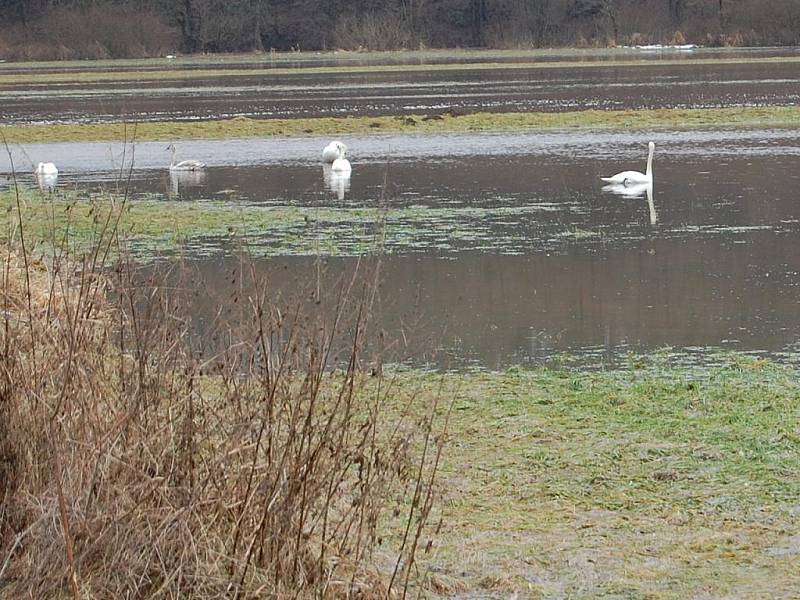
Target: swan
341 166
334 150
46 169
631 177
184 165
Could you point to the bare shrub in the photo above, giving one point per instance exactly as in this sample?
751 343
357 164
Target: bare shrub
372 31
677 39
97 32
136 462
775 22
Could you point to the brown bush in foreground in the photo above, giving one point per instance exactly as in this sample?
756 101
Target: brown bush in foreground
135 464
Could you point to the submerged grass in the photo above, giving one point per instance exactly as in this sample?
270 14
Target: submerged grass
153 226
243 127
646 482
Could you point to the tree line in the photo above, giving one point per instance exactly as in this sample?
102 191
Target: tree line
36 29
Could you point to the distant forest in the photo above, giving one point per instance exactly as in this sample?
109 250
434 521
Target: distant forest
65 29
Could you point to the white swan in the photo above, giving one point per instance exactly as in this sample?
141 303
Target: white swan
631 177
184 165
334 150
341 165
46 169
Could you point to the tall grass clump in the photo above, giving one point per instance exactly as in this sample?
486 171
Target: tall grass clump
269 457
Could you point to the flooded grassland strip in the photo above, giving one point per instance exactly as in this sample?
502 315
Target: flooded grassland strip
375 58
244 127
15 77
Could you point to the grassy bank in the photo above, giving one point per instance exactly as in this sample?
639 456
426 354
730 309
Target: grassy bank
241 127
648 482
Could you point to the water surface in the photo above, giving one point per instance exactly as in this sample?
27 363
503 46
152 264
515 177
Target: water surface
504 248
482 88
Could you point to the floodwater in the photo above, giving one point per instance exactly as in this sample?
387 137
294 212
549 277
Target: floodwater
497 249
506 249
478 88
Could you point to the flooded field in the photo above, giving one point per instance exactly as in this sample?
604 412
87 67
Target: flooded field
525 87
496 248
503 249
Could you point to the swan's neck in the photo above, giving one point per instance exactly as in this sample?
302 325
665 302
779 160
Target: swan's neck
172 161
649 172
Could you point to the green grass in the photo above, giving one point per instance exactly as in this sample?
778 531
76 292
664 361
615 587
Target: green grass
653 482
777 116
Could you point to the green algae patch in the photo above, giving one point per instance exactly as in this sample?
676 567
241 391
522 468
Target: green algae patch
651 481
242 127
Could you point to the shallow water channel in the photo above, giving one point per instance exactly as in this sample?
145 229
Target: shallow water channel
504 249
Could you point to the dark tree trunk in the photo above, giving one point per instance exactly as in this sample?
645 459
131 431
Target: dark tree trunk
478 20
188 24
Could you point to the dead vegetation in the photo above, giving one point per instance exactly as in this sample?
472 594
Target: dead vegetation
95 32
139 460
50 29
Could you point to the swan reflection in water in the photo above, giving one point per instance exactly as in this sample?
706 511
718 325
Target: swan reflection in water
46 176
635 190
182 181
47 181
337 182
